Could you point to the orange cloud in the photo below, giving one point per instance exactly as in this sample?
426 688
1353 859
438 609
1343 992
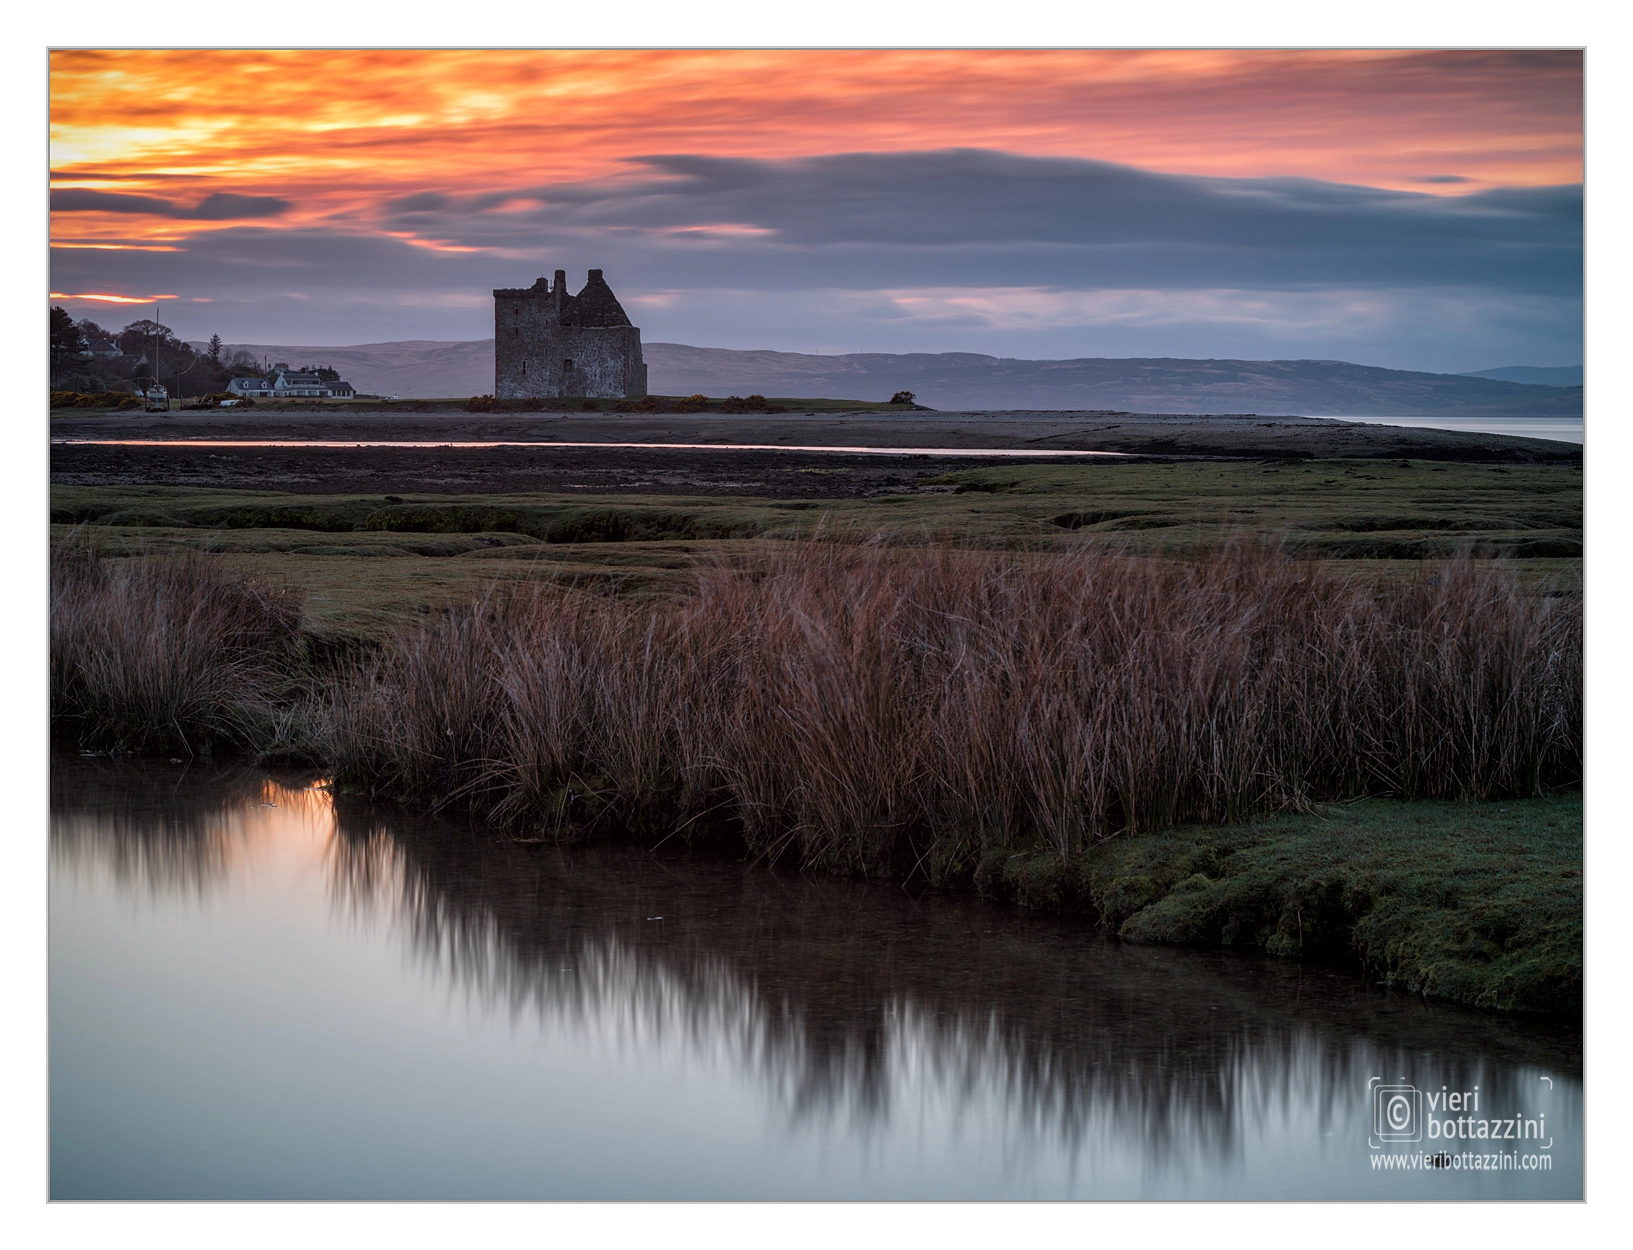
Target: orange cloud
338 132
114 299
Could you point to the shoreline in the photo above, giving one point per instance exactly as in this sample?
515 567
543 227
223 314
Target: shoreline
1166 436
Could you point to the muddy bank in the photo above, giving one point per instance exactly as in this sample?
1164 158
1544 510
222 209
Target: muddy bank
505 470
1137 434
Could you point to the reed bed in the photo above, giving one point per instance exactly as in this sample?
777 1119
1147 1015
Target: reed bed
911 712
172 654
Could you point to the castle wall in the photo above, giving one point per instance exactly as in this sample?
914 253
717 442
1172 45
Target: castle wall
535 356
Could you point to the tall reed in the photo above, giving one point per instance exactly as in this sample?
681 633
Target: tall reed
887 711
170 653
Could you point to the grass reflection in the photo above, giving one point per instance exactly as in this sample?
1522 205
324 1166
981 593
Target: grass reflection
855 1003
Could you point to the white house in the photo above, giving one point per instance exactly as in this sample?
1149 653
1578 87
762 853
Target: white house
286 383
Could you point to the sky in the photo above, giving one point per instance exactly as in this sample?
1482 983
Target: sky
1410 209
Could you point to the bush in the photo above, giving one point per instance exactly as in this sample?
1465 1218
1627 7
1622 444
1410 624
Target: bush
173 653
903 397
120 400
692 403
482 403
532 404
751 403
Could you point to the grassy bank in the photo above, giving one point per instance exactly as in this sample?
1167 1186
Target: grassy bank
1479 902
1334 509
372 564
1054 727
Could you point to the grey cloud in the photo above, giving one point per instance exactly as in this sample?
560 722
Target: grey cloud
221 206
225 207
982 217
831 237
423 202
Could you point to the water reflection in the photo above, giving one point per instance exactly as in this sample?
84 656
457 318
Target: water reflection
842 996
170 827
863 1017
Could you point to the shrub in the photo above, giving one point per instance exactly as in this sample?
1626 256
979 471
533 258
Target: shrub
482 403
121 400
903 397
750 403
173 653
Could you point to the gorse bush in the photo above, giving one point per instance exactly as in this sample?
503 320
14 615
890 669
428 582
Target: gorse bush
171 654
910 712
94 399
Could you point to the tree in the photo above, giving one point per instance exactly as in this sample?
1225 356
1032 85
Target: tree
138 337
65 336
215 350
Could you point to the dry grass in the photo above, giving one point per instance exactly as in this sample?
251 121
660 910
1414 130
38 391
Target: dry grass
170 653
915 712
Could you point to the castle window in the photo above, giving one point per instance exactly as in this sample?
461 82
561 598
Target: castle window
566 364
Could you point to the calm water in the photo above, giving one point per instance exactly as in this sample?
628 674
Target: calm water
256 994
1557 429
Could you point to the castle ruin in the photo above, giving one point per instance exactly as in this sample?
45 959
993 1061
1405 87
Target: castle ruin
548 344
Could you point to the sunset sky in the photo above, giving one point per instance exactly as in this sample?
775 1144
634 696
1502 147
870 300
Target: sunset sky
1412 209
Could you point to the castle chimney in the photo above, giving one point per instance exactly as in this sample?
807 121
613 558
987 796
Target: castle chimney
561 287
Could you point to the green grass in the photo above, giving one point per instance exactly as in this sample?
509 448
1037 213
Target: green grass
1480 903
369 564
1338 508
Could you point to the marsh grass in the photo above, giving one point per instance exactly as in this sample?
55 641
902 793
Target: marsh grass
921 712
170 653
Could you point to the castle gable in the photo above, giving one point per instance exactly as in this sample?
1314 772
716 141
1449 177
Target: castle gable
549 343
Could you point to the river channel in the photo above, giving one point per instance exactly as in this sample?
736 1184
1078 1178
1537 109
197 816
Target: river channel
259 992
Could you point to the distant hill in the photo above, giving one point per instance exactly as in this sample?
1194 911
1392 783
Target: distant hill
963 380
1536 375
421 368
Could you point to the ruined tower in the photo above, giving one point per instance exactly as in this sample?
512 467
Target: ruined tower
548 344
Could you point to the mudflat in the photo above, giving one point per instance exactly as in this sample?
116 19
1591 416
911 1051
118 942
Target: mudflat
1126 432
711 465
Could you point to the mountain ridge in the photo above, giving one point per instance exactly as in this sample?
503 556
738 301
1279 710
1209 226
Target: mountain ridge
426 368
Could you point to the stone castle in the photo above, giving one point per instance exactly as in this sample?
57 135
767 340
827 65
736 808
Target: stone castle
548 344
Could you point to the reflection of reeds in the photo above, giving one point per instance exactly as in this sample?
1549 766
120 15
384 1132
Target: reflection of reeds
172 653
887 712
847 1000
163 827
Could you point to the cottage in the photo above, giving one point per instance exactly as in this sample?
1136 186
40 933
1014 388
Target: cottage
282 382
